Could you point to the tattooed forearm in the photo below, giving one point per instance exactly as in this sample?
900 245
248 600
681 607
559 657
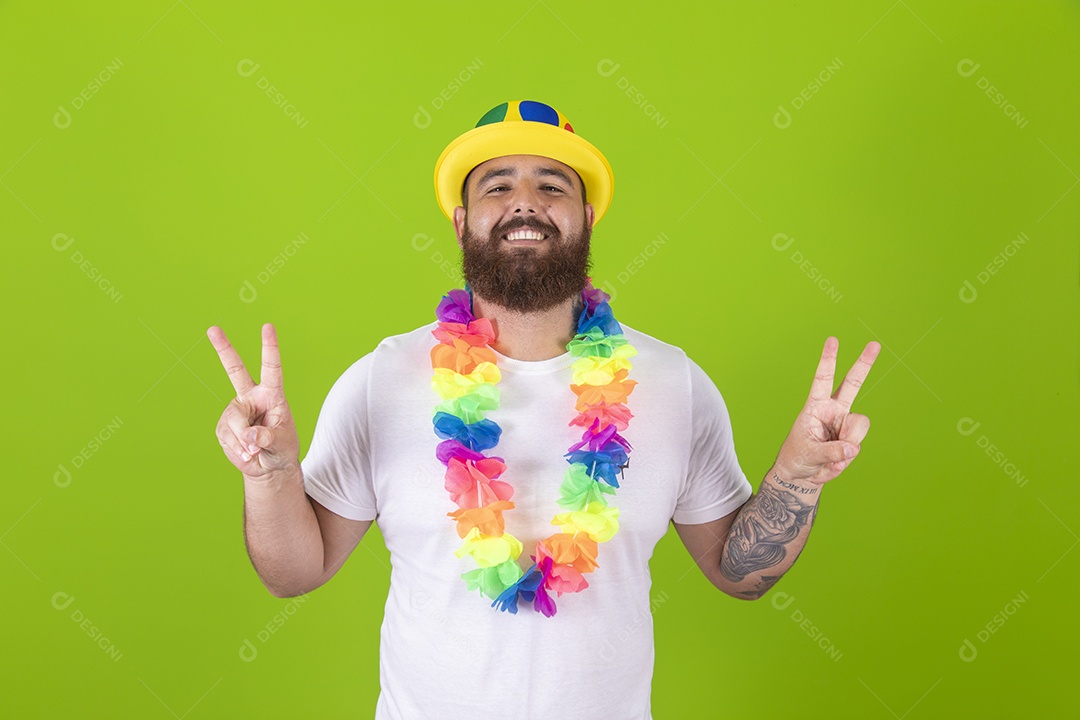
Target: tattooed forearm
760 536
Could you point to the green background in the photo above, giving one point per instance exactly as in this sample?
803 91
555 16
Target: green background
895 177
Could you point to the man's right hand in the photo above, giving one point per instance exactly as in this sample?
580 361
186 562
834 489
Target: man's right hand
256 431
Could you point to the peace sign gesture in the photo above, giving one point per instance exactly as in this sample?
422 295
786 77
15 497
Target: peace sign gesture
826 436
256 429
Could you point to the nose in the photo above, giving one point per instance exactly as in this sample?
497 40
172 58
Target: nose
525 200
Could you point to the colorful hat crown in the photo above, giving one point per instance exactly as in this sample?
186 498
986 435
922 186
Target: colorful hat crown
525 110
523 127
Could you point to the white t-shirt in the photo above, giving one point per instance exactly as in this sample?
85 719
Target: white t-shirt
444 652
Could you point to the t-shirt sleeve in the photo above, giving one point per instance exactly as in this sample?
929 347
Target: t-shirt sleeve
336 469
715 483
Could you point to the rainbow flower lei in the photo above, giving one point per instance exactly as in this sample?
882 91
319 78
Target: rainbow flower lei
465 378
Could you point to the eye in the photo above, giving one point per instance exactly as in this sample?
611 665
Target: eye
553 187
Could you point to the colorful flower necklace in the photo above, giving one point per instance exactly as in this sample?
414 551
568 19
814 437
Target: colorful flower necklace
465 378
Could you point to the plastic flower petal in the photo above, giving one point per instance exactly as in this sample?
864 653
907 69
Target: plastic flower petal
488 519
449 384
592 297
577 551
565 579
601 318
592 370
482 435
617 415
525 587
599 522
471 408
461 357
601 438
476 332
595 343
491 581
472 483
455 307
542 602
605 465
578 489
613 393
489 551
448 449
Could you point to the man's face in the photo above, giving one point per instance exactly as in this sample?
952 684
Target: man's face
525 236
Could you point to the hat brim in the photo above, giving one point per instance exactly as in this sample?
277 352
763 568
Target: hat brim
522 138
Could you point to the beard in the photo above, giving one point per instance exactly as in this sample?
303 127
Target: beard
526 279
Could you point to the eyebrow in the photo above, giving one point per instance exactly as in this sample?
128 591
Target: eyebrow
512 172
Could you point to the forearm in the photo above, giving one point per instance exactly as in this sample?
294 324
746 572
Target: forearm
768 534
282 533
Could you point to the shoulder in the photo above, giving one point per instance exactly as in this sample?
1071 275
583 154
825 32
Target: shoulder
418 340
356 377
647 345
664 355
670 359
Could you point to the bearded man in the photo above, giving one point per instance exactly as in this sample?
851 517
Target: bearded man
522 456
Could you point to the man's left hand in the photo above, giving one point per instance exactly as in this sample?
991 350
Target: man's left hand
827 436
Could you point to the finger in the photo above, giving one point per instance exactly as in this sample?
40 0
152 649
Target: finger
263 438
855 428
821 454
821 388
237 430
856 376
234 366
271 358
231 443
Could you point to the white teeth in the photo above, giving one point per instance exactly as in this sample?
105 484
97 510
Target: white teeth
525 235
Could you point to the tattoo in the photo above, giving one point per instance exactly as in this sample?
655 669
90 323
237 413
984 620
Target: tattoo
758 540
793 486
761 587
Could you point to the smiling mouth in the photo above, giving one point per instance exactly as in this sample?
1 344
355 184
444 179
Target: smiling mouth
525 235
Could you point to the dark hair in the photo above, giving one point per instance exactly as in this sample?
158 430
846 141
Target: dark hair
465 190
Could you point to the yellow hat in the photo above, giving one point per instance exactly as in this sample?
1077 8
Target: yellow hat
522 127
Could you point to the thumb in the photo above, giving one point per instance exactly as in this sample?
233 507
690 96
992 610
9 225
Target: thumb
831 452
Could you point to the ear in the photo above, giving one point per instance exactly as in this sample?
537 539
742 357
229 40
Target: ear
589 214
459 223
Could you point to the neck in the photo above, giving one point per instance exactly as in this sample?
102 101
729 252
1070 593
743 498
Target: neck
531 336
